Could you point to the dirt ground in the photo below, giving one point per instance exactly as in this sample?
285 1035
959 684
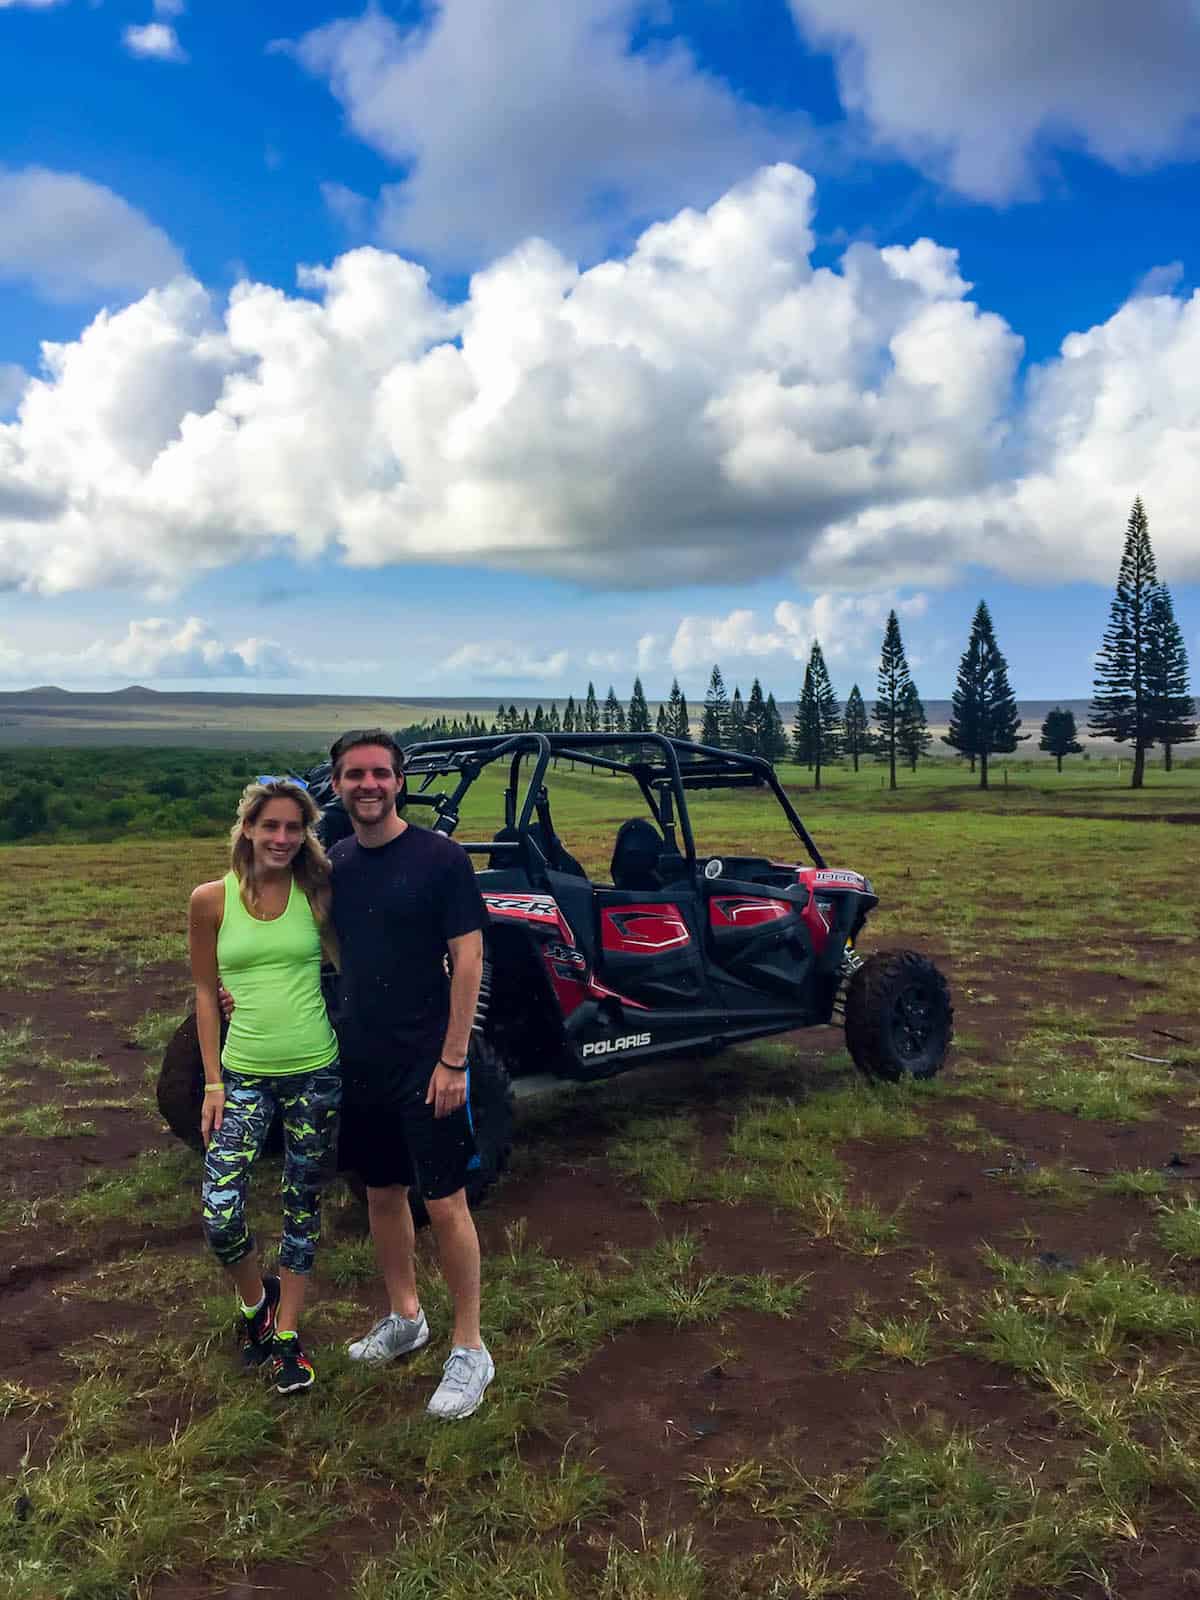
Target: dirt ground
658 1406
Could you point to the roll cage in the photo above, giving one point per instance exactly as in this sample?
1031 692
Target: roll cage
664 768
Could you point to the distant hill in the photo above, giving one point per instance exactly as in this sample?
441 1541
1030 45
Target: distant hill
138 715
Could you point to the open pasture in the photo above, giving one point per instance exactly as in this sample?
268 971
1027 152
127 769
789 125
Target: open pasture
762 1331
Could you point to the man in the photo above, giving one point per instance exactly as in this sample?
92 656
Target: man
403 898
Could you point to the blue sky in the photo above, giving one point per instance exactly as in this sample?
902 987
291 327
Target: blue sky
639 336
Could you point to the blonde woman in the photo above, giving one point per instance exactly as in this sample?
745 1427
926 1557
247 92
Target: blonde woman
264 928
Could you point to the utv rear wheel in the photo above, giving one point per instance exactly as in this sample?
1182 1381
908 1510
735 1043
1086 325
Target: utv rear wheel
899 1019
492 1124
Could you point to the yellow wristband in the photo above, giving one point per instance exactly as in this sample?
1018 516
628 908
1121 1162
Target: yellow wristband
214 1088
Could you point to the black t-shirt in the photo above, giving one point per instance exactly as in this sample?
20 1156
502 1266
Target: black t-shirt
395 906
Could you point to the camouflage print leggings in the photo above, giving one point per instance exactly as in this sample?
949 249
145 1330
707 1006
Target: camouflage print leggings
308 1103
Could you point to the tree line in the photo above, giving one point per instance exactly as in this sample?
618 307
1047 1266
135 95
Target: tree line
1141 696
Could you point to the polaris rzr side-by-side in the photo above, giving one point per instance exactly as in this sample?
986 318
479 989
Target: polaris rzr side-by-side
678 951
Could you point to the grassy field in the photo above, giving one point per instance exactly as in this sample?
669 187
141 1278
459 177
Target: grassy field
762 1331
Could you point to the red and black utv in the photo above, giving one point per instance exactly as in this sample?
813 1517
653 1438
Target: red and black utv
678 951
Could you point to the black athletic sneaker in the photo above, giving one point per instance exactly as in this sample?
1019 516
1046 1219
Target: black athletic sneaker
259 1330
290 1368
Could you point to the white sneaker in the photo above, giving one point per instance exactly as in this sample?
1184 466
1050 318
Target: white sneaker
465 1376
391 1336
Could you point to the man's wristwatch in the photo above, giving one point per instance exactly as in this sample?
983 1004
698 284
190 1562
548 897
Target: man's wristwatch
460 1066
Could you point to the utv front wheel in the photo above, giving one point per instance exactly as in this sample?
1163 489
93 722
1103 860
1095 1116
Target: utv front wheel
899 1019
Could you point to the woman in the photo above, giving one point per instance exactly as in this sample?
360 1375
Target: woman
264 928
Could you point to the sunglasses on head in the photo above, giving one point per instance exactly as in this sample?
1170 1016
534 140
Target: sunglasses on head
287 777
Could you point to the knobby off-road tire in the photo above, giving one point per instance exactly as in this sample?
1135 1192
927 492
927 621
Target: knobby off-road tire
492 1116
899 1019
180 1089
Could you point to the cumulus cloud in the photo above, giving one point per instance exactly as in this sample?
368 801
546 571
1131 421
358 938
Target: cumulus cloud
155 647
976 94
710 408
157 41
73 239
536 118
847 625
502 659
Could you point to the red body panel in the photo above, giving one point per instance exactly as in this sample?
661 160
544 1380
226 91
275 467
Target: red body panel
742 911
642 930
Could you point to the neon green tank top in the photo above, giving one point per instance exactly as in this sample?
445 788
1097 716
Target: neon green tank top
273 971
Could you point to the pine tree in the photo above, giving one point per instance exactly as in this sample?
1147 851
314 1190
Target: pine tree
569 715
677 715
714 730
1121 708
639 711
1172 709
893 676
818 717
856 730
512 719
501 721
591 712
776 747
526 724
740 736
539 719
983 717
802 736
1058 735
612 713
662 723
553 724
915 737
756 721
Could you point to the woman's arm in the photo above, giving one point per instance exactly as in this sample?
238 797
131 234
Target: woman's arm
204 922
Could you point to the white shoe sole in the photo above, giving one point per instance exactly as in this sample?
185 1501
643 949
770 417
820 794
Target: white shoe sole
390 1355
460 1416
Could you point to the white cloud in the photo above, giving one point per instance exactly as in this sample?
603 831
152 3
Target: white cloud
977 94
72 239
32 5
169 8
710 408
1160 280
156 41
534 118
848 625
502 659
155 647
348 208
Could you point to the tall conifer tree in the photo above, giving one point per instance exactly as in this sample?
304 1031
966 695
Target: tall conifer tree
756 721
569 715
818 718
714 729
639 711
591 711
776 746
740 738
983 717
890 689
662 722
1121 700
1172 709
856 730
676 712
915 737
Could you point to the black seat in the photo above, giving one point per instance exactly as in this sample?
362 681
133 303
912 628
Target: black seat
635 855
557 858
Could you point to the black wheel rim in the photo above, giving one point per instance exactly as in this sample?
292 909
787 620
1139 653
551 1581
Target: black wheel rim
915 1020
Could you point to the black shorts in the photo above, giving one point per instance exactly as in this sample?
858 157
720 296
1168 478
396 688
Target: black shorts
401 1142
